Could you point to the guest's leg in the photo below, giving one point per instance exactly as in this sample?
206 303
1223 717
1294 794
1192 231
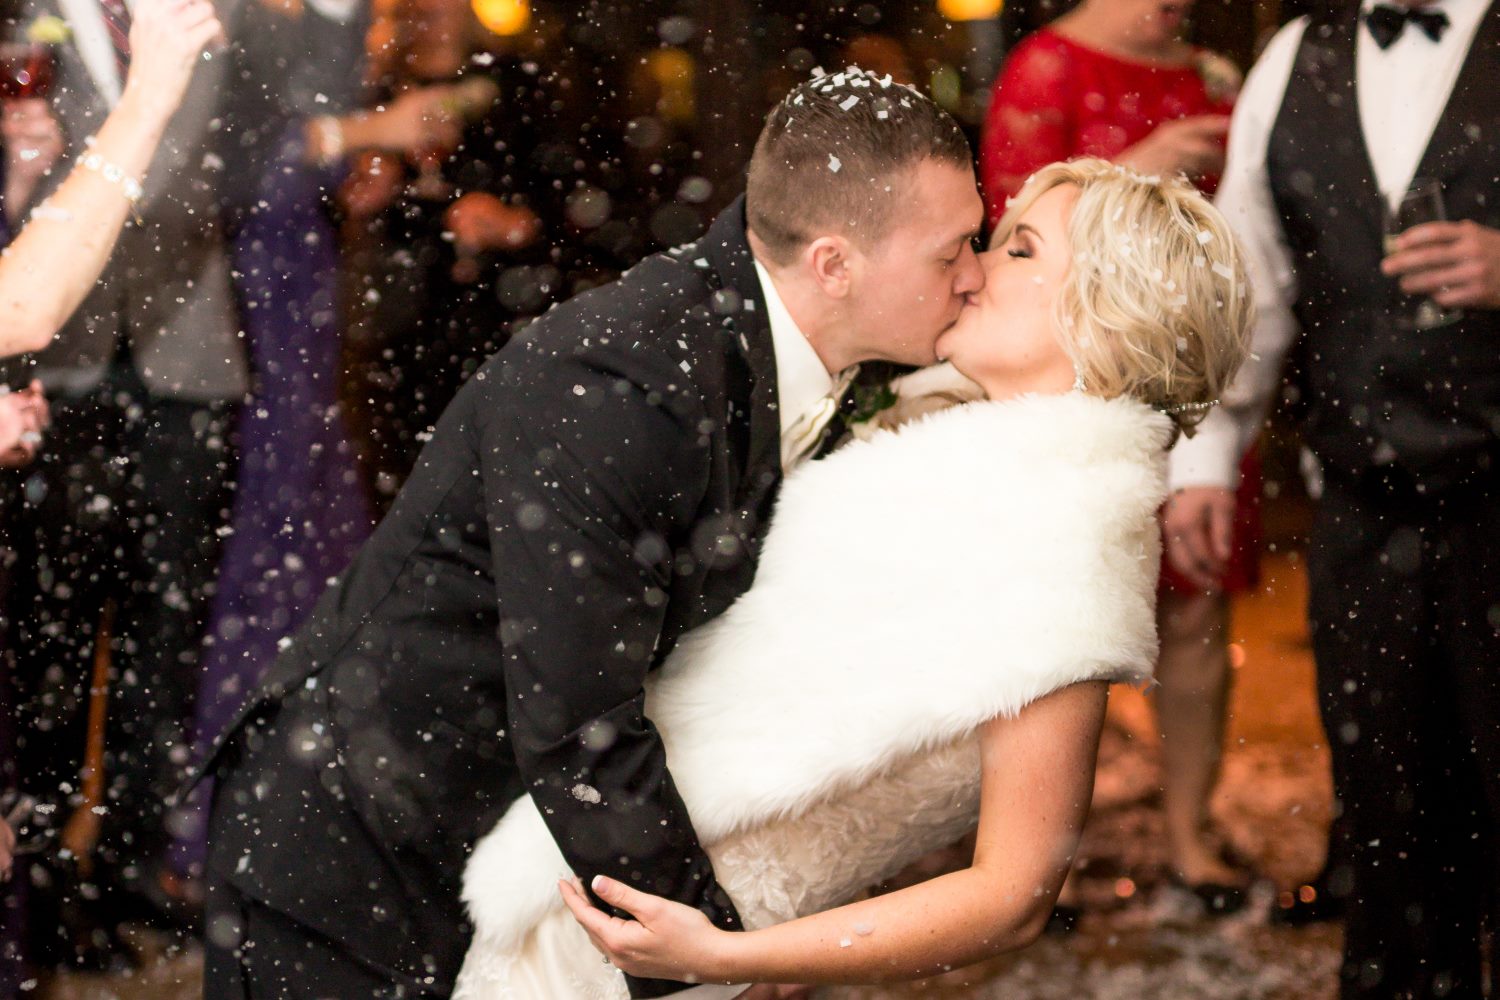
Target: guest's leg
1383 702
66 530
1191 703
1468 598
179 497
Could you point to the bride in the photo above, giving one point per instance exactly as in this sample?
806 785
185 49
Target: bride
938 612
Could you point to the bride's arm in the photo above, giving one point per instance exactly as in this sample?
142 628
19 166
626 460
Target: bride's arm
1038 778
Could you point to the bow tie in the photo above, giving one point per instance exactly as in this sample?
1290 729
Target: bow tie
1387 22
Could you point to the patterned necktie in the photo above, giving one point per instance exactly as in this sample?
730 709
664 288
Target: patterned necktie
1387 22
117 20
805 437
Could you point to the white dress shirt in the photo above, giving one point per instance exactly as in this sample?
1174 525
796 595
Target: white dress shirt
807 396
1402 92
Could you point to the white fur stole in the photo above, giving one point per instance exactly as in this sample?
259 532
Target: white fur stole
911 588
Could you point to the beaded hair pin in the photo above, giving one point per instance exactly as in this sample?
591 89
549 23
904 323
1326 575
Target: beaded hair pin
1173 409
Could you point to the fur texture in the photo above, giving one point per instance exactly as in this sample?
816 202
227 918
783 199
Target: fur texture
911 588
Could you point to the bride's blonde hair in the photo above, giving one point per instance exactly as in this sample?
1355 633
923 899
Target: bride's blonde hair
1157 304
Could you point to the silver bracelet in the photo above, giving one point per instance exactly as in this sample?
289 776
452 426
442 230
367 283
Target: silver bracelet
130 186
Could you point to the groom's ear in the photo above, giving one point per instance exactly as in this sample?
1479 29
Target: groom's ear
830 261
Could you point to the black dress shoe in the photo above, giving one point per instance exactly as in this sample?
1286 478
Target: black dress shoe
1218 900
1307 904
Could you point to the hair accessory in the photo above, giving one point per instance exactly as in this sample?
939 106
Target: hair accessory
1172 409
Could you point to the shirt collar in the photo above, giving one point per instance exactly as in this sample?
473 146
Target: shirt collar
801 379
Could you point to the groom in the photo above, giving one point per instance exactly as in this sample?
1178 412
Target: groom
599 488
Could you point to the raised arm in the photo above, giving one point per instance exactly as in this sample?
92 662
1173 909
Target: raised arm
53 263
591 483
1038 778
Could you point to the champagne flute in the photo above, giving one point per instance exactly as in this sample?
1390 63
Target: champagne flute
27 69
1423 202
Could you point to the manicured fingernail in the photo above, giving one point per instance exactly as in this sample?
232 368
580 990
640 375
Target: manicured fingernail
601 884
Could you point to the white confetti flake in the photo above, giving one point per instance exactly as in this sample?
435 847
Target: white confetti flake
848 102
864 930
1205 237
1223 271
587 793
846 942
834 163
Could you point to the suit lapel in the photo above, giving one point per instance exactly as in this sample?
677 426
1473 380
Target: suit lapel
743 308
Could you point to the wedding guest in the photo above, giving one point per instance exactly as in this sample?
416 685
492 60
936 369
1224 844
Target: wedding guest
1113 78
300 509
117 521
467 240
49 268
1346 112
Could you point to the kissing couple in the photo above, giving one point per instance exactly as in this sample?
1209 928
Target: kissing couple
631 665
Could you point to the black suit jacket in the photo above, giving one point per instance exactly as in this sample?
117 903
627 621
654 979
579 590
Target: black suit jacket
597 489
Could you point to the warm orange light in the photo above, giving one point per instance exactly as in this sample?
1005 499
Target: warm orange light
970 10
673 70
503 17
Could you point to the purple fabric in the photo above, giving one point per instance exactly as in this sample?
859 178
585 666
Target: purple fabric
300 511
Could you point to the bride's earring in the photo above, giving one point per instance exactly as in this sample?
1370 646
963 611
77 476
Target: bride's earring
1078 385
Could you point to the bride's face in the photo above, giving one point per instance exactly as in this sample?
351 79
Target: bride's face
1006 339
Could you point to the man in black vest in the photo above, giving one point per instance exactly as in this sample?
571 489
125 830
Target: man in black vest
1345 113
597 489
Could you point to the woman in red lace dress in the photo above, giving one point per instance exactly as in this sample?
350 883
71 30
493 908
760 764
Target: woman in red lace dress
1114 79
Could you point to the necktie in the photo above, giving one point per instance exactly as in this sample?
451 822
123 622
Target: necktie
117 20
1387 22
804 437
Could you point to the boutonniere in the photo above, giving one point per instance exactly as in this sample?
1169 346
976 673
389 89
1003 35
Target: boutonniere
49 29
869 402
1221 78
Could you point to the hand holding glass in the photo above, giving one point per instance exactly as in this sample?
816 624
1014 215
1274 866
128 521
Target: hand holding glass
1422 203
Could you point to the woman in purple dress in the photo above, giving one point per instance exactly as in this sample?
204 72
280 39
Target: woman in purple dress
300 510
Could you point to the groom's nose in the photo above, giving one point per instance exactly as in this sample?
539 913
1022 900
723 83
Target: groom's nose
969 273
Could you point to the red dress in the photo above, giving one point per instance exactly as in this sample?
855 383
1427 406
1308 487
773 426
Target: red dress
1056 99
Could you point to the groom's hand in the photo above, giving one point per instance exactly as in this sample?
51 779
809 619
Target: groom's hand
1199 526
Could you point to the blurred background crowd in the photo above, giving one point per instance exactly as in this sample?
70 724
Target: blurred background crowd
355 202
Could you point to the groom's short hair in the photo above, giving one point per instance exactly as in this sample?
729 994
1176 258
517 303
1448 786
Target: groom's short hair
835 155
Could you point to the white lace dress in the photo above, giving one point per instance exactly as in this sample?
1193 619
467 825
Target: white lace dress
774 873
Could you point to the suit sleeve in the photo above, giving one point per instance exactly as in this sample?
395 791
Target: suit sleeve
589 476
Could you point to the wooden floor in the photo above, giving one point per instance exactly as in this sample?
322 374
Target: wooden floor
1138 940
